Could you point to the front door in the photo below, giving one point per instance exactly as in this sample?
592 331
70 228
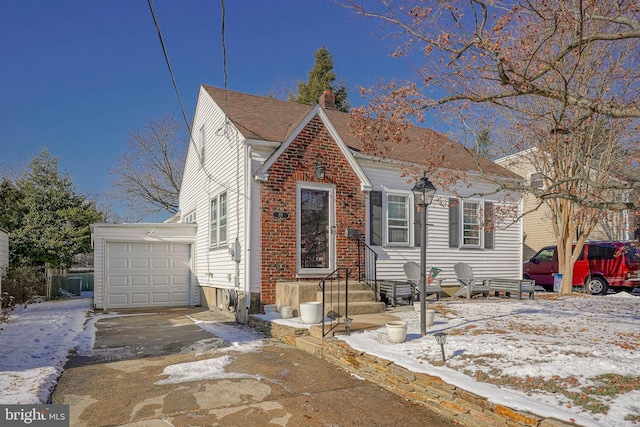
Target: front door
316 242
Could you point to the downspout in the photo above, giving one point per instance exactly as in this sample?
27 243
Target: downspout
247 226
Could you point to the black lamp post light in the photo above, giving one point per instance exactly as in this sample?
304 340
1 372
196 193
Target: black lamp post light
423 193
441 339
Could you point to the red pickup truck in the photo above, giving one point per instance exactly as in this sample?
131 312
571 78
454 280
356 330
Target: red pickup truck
602 265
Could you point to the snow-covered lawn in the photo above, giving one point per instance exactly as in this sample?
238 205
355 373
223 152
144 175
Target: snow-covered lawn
572 357
575 358
35 344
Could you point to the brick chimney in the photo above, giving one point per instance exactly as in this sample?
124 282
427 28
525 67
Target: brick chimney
327 100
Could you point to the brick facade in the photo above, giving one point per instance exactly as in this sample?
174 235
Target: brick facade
278 205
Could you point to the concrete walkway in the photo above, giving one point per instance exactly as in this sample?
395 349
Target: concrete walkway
122 384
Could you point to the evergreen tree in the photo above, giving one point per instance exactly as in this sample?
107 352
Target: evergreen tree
9 199
483 142
320 78
47 220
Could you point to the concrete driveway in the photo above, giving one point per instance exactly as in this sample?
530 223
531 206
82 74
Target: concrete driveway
271 384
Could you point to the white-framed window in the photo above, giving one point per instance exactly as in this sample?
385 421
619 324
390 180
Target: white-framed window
390 219
537 181
201 144
218 220
471 224
190 217
398 219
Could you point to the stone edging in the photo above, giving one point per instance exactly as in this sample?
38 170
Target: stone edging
432 392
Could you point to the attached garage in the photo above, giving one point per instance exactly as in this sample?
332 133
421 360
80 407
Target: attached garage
143 265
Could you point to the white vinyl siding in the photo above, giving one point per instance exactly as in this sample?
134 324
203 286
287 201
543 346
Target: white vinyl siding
504 260
4 248
201 144
223 172
4 253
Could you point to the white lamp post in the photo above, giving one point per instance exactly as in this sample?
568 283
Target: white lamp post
423 193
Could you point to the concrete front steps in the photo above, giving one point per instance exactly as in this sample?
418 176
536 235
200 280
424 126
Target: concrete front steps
360 322
312 343
361 299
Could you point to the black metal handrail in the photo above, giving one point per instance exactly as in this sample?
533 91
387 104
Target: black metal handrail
367 266
331 282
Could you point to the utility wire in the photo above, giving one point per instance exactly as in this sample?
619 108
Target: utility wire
166 58
224 56
175 87
227 126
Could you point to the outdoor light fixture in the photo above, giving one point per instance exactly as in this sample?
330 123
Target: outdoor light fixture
441 338
319 169
151 232
423 193
347 325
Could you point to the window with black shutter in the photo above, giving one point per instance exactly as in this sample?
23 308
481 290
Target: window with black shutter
375 218
454 223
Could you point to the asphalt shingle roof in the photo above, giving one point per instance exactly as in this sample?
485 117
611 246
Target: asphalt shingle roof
269 119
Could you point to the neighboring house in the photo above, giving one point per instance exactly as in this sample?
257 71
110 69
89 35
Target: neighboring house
538 231
4 254
281 191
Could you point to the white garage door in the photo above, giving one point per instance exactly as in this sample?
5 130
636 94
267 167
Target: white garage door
147 274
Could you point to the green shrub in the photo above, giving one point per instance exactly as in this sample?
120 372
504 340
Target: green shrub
23 283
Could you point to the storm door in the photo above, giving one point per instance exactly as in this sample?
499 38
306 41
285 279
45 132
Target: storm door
315 229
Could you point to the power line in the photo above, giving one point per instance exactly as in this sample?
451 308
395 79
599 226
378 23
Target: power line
175 87
224 56
166 58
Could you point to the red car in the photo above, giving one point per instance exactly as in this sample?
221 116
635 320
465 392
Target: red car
602 265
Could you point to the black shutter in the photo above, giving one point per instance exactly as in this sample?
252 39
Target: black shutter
454 223
375 218
489 226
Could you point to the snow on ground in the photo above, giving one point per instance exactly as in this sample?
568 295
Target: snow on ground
541 355
35 343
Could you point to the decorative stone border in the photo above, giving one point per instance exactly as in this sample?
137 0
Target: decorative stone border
450 401
286 334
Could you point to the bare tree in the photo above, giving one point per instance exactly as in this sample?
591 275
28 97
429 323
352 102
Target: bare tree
556 82
148 175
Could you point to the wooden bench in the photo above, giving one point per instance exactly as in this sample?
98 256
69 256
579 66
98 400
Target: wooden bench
391 290
518 286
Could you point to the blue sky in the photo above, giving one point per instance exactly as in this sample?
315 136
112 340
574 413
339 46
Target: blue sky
77 75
